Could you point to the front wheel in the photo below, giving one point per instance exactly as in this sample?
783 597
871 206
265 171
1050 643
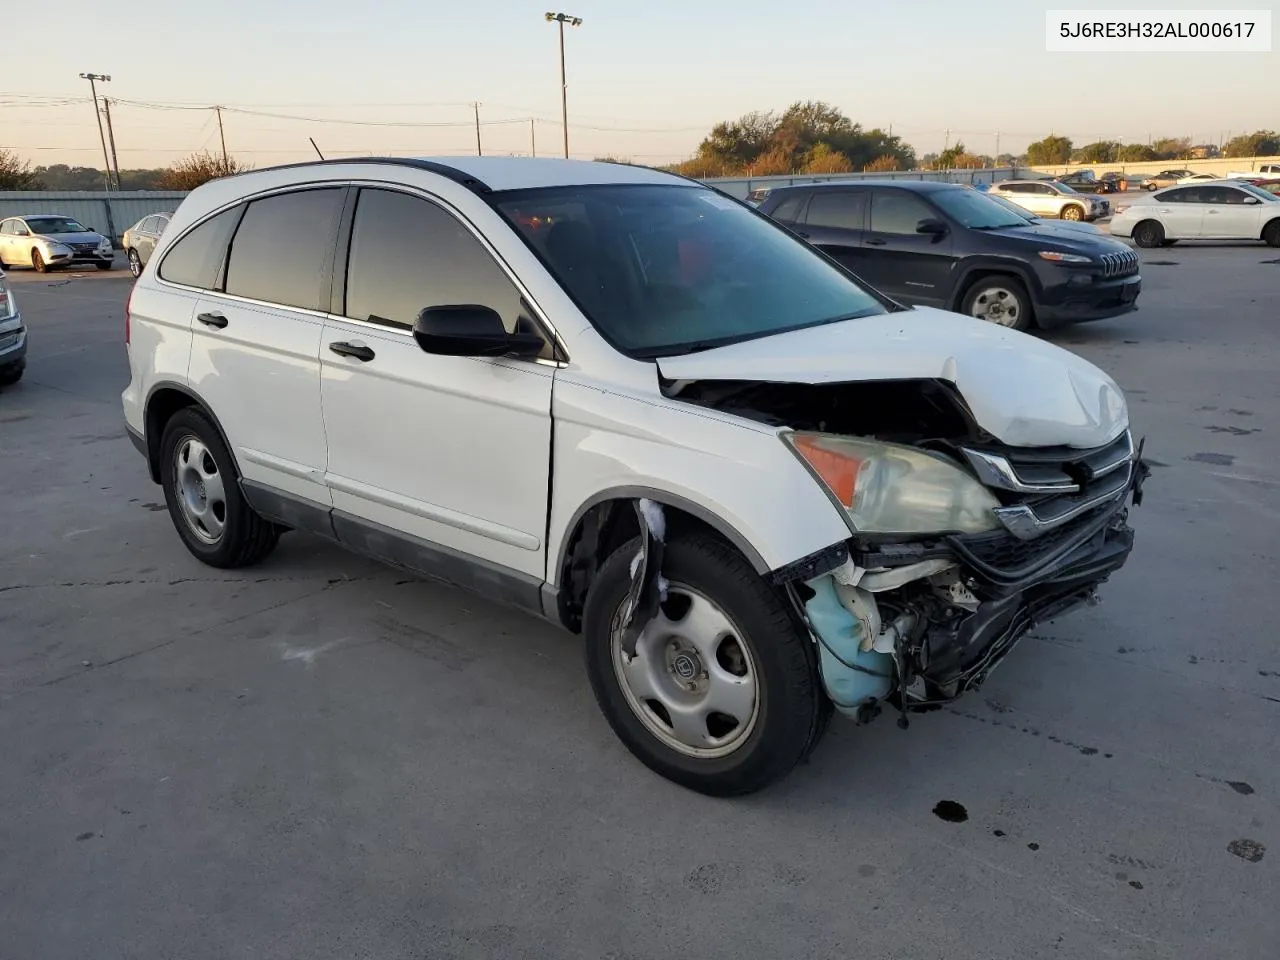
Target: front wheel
12 374
721 693
1271 233
135 263
106 265
999 299
203 495
1073 212
37 262
1148 234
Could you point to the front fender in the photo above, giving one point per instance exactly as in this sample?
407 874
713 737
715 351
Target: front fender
734 474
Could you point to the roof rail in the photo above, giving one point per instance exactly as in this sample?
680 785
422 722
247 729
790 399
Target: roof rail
443 169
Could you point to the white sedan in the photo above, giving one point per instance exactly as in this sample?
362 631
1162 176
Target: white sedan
1218 211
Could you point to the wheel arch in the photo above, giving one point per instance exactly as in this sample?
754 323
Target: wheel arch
607 520
164 399
975 271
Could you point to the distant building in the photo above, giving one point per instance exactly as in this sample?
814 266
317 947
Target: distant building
1205 151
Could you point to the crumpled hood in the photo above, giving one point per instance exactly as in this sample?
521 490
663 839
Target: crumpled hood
1022 390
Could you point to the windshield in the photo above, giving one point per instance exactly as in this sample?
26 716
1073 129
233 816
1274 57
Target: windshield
1256 191
977 210
46 225
1012 207
1064 187
662 270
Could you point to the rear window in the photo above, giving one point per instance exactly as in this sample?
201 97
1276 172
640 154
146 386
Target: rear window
196 259
283 250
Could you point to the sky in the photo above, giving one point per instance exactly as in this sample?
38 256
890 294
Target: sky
646 79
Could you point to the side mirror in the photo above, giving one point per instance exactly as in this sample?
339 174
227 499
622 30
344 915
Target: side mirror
468 330
934 228
1252 200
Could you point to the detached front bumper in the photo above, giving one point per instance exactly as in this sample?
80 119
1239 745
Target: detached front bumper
918 624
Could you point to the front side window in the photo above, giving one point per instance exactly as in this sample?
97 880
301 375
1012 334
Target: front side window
665 269
896 211
283 248
837 209
196 260
1221 195
47 226
408 254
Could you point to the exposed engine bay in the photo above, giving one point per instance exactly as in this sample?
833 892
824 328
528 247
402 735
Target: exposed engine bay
916 621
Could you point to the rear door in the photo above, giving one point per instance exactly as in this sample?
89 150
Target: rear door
256 338
911 266
835 222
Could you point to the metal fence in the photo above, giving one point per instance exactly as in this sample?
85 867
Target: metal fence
740 187
111 214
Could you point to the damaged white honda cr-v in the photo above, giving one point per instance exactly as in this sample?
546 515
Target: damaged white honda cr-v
636 407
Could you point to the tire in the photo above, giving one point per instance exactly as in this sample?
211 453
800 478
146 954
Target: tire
12 374
194 486
1271 233
37 262
109 265
1073 211
1148 234
135 263
769 657
1000 299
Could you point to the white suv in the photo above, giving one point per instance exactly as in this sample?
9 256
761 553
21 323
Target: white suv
639 409
1048 198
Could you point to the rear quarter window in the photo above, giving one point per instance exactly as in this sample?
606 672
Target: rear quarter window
197 258
788 210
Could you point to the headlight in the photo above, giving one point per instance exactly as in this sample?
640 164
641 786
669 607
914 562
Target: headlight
7 307
1053 256
56 248
885 488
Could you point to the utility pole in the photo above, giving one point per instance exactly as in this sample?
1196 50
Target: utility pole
997 148
91 77
533 140
226 166
946 140
111 138
476 107
562 19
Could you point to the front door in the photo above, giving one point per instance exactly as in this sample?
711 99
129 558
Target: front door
1227 216
914 267
453 451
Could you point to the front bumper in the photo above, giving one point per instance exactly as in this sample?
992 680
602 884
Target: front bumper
13 343
1067 303
79 256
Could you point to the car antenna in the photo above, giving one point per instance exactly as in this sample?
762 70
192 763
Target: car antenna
315 148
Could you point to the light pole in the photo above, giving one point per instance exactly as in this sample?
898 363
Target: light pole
562 19
91 77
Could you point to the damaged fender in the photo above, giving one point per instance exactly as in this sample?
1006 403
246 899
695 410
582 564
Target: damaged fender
648 586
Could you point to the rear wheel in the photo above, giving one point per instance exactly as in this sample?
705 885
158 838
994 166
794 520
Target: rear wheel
1271 233
1149 233
1073 212
11 374
999 299
135 263
37 261
721 693
203 494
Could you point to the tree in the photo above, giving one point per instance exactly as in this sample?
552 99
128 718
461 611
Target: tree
16 173
772 164
947 158
823 159
198 168
1260 143
1172 148
884 162
1048 151
1135 153
1102 151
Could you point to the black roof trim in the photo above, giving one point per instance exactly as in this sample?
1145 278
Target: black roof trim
443 169
919 186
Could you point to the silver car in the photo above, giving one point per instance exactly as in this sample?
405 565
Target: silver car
140 240
44 241
1048 198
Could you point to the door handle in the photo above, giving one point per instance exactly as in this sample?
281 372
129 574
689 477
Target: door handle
216 320
1211 211
358 351
875 243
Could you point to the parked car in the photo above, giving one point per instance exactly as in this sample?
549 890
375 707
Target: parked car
943 245
1166 178
13 337
1083 181
1271 186
140 240
755 486
1264 170
1195 177
1049 198
1218 211
51 240
1125 181
1070 226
